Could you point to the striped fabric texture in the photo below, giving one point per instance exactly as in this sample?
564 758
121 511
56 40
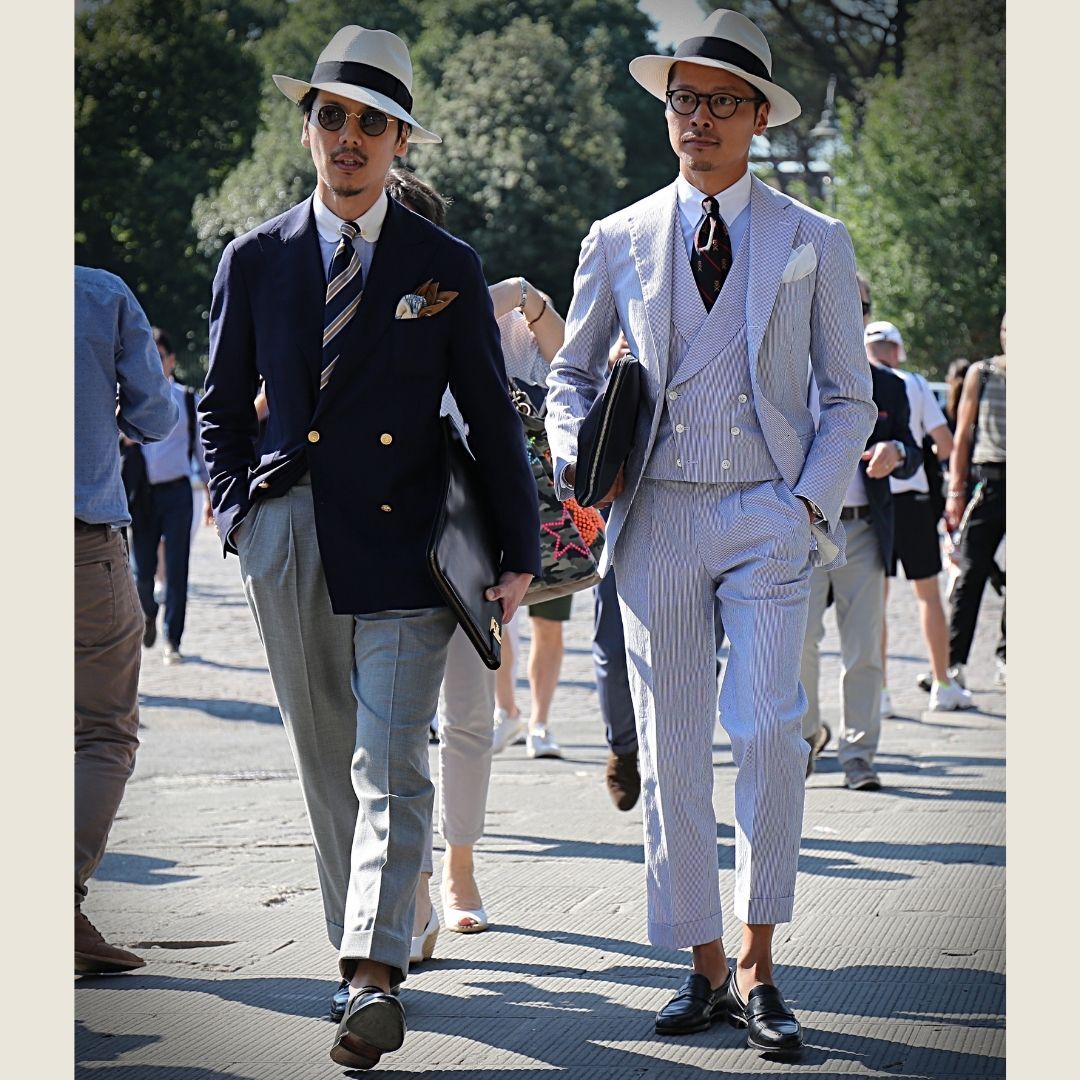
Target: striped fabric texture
344 288
686 548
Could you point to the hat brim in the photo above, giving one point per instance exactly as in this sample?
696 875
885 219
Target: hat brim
652 73
295 89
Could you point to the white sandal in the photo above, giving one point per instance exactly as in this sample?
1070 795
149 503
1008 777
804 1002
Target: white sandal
423 945
456 917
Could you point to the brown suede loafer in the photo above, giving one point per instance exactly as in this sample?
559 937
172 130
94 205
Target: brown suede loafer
623 780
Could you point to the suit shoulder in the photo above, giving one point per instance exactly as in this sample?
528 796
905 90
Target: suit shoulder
619 219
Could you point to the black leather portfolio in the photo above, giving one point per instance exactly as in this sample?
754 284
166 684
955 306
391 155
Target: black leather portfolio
607 434
463 554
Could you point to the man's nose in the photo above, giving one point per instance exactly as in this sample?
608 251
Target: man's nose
701 115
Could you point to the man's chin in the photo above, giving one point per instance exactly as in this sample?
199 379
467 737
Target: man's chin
347 192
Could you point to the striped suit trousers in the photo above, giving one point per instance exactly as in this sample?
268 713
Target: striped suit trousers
685 548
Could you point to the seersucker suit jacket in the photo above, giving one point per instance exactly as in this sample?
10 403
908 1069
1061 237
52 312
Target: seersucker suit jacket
802 300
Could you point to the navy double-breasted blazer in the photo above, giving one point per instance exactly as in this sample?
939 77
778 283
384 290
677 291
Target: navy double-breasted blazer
372 439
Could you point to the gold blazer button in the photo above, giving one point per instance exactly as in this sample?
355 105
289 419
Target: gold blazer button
312 436
386 438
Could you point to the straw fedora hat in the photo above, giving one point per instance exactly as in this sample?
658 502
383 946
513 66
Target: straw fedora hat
729 41
369 66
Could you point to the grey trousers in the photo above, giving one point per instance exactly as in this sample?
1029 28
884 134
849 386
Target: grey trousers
356 694
859 598
466 707
685 548
108 652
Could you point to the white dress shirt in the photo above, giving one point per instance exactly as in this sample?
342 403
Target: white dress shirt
328 225
734 202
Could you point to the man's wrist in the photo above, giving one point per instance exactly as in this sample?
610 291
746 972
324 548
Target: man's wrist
901 449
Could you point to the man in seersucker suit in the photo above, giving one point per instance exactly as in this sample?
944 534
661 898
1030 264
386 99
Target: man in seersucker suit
730 496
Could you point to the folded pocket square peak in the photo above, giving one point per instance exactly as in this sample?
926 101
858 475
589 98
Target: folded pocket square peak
802 260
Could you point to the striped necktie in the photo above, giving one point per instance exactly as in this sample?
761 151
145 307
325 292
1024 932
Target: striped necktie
711 257
344 287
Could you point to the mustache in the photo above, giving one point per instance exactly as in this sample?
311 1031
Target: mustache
697 136
357 154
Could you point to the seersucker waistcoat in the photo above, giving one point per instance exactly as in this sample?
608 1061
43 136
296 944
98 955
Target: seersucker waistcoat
709 430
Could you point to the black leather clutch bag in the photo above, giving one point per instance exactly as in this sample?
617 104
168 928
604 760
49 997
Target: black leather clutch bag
607 434
463 554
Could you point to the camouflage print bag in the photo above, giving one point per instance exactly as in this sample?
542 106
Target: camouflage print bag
571 536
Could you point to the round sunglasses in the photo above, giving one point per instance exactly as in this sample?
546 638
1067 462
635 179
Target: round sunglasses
333 117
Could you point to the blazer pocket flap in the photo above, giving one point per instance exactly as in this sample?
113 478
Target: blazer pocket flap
802 260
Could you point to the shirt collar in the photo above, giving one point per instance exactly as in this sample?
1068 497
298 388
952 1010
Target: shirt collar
370 222
733 200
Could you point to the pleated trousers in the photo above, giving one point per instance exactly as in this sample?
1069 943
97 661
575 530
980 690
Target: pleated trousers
685 548
356 693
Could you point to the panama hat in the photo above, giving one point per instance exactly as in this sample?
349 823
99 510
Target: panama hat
731 42
369 66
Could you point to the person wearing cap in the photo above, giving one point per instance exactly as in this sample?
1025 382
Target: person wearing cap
858 586
723 288
357 313
916 543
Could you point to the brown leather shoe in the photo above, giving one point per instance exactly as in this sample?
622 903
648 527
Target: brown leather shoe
623 780
95 956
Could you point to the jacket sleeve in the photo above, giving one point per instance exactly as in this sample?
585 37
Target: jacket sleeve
579 370
913 456
230 425
478 383
842 372
148 411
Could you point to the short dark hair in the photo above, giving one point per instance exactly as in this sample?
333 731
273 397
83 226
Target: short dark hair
161 338
405 186
307 102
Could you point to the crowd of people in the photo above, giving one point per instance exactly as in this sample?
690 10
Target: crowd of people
783 462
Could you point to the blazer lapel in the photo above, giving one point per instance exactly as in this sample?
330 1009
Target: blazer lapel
652 232
772 228
300 281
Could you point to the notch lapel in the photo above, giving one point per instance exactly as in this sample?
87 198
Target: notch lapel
300 282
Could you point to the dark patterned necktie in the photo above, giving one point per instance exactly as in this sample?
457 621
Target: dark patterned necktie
711 257
344 287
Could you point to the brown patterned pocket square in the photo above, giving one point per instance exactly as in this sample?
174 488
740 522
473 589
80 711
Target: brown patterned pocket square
426 301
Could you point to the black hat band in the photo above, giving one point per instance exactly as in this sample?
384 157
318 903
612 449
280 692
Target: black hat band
372 78
726 52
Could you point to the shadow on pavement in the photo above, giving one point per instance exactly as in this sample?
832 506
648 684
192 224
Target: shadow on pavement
251 711
139 869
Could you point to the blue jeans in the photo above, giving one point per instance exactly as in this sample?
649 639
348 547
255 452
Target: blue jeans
167 513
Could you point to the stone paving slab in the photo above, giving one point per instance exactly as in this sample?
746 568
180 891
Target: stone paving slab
895 960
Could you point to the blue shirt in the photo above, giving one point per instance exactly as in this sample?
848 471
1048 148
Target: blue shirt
168 460
116 361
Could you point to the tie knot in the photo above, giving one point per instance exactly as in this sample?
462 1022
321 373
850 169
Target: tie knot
711 207
349 230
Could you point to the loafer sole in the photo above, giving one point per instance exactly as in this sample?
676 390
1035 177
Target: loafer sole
787 1052
701 1025
86 964
380 1024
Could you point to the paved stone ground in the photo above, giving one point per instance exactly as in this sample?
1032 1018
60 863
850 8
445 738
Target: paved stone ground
895 961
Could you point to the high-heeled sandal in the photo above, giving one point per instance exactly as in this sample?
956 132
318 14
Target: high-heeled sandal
457 919
423 945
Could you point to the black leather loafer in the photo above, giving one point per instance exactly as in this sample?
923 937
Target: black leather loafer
339 1001
373 1024
696 1007
771 1025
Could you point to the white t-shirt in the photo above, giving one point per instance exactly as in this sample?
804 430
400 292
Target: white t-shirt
926 415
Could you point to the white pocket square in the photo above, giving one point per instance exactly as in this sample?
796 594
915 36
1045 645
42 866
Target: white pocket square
802 260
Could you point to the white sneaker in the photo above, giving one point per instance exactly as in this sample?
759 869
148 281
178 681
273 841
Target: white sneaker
925 679
507 729
886 704
539 743
949 697
159 592
171 655
999 675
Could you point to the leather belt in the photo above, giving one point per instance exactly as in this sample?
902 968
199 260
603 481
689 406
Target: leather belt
86 526
990 470
852 513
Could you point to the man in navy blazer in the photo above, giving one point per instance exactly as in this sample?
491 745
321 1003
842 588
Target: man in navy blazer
357 314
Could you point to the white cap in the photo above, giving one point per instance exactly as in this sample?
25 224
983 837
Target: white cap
884 331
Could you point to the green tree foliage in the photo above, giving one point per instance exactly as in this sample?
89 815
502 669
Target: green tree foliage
923 192
527 178
160 116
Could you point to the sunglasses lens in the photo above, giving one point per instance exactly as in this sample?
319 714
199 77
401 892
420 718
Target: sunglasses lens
373 123
331 117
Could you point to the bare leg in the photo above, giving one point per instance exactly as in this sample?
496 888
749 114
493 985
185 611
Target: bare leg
711 961
459 881
545 662
370 973
935 629
755 965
